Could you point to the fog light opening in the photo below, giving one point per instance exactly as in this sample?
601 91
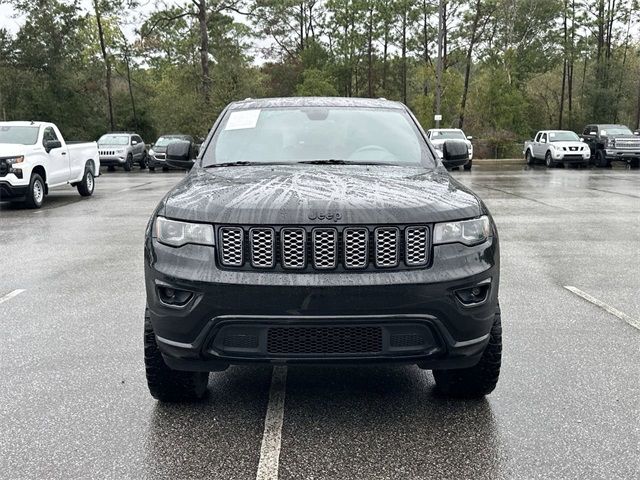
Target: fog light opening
475 295
173 296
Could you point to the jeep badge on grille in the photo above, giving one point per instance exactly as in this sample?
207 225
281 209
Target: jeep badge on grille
325 216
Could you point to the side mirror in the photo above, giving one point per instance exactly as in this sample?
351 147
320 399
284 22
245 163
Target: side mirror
637 132
51 144
179 155
455 154
469 137
582 139
134 142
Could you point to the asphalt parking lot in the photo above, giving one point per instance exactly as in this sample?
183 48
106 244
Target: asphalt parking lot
74 402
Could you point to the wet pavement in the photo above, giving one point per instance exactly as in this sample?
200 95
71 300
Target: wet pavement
74 403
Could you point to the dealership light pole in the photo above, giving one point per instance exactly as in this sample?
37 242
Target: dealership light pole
438 116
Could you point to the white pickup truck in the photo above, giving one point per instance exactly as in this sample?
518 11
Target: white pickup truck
556 147
34 158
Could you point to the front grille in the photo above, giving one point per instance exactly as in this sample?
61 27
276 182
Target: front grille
386 247
160 156
324 248
107 153
4 168
231 241
324 340
294 249
627 144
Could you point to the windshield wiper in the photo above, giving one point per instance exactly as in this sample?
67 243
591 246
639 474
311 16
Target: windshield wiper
241 163
335 161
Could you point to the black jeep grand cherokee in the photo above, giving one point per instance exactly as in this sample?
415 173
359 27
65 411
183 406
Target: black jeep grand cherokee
321 230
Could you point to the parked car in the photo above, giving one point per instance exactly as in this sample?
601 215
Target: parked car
157 152
321 230
34 159
439 135
612 142
555 147
122 149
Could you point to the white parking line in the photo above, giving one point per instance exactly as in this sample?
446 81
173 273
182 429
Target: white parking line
613 311
272 436
10 295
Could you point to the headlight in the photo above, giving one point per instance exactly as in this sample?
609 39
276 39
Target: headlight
468 232
14 160
438 146
151 152
177 234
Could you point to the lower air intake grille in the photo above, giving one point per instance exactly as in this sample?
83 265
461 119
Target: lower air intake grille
324 340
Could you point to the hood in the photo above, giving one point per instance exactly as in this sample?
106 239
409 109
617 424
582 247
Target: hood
440 141
14 149
159 149
280 195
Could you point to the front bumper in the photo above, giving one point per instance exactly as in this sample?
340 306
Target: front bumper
9 191
622 155
571 157
154 161
112 161
246 317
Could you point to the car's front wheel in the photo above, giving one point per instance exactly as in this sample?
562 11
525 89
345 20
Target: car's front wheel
482 378
468 165
165 384
548 160
128 164
35 193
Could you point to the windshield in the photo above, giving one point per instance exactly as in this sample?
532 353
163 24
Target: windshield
447 135
164 141
615 130
19 135
563 137
114 140
318 134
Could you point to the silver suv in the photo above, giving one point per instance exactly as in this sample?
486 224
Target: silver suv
122 149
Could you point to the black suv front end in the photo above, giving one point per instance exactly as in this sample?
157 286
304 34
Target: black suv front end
321 263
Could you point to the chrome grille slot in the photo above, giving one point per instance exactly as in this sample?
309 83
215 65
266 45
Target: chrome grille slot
262 247
416 244
325 248
386 247
356 247
231 246
294 251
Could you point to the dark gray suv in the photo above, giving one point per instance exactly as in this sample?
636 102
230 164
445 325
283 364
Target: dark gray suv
323 231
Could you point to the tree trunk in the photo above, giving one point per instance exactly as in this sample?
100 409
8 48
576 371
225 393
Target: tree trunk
133 103
467 69
404 57
107 63
204 48
370 55
564 65
638 109
385 50
571 63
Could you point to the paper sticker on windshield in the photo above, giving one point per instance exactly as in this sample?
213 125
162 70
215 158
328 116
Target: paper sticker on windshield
242 119
603 132
552 134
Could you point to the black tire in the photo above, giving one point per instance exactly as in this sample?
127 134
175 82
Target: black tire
468 165
165 384
530 159
165 169
86 186
479 380
36 192
548 160
635 163
111 168
128 164
143 161
601 160
152 169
